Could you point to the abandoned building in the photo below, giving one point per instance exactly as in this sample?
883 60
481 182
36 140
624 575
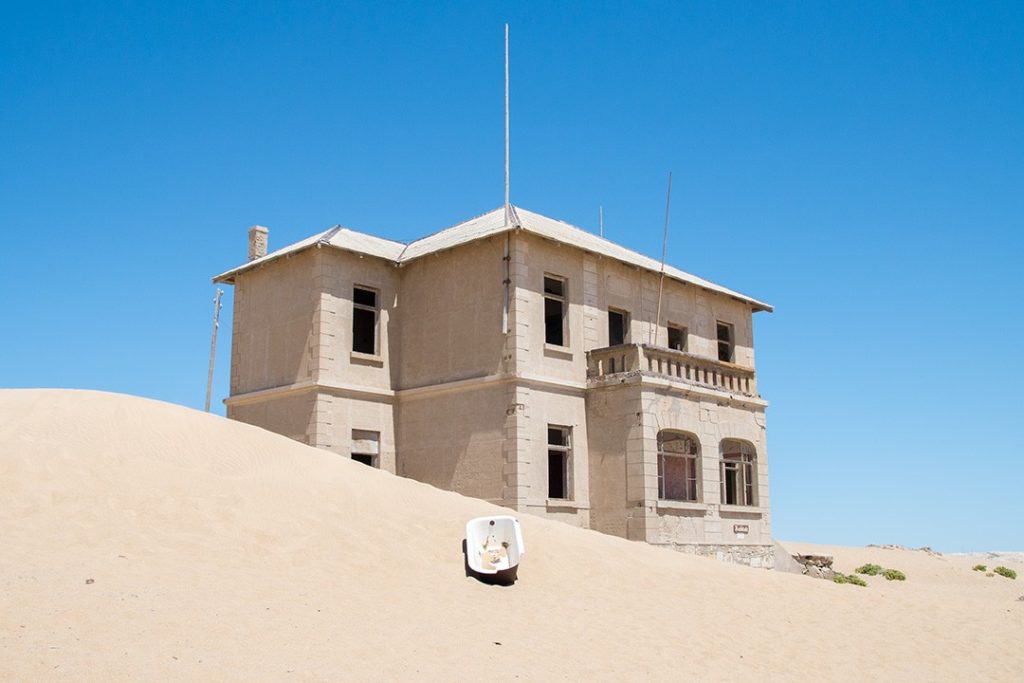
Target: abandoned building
521 360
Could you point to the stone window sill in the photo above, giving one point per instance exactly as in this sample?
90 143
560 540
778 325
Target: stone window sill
682 505
553 351
747 509
367 359
568 504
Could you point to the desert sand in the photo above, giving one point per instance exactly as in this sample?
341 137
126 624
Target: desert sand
145 541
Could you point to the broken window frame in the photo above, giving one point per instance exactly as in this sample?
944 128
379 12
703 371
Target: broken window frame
740 459
625 326
691 466
375 311
365 456
560 299
562 450
726 346
684 335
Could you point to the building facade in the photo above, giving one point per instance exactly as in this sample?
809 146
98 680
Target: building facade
520 360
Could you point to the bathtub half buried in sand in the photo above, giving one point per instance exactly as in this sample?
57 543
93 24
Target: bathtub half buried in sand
494 546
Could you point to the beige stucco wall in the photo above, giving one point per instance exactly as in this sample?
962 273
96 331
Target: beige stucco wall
293 416
611 415
711 421
450 315
564 409
454 439
596 284
336 274
272 328
341 414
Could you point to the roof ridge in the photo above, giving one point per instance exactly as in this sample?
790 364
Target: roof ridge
456 225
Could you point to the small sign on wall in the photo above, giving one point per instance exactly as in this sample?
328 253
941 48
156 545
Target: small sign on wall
741 530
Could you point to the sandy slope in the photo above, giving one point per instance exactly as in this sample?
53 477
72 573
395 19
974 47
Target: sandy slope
219 551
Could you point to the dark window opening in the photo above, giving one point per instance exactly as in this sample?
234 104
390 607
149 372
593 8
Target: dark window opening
725 342
364 320
616 327
559 455
554 311
365 458
677 338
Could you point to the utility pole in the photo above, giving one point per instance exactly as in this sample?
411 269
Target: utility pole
213 347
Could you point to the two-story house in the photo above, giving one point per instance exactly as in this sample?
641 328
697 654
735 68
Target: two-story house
521 360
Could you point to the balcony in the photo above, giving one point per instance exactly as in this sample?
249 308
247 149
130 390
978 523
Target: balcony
676 366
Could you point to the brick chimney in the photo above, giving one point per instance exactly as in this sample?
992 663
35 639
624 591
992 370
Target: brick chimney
257 241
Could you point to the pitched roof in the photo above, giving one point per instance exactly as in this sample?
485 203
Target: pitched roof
486 225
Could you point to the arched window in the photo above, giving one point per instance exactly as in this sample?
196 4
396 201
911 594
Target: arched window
738 470
678 458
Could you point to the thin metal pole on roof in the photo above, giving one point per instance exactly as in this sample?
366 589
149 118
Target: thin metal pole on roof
600 219
664 244
508 204
213 347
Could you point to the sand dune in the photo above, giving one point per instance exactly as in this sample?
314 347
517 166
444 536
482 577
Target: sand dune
219 551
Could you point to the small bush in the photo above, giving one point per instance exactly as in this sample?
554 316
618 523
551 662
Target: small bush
849 578
869 569
990 574
1005 571
894 575
980 568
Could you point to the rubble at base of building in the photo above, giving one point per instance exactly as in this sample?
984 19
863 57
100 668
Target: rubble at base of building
816 566
757 556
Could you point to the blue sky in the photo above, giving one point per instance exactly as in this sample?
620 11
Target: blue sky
859 165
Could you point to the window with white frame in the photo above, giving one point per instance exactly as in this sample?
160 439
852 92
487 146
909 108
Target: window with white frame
738 471
364 320
559 462
678 460
555 310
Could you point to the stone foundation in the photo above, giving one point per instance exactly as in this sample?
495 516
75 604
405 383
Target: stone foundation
757 556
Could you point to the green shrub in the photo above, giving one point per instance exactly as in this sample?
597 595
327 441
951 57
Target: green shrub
894 575
1005 571
849 578
980 568
869 569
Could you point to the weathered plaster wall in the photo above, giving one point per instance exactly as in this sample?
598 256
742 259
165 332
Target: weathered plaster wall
454 439
564 409
449 312
711 421
336 274
339 415
272 329
292 416
611 414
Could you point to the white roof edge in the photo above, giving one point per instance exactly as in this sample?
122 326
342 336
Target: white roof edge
551 228
329 238
479 227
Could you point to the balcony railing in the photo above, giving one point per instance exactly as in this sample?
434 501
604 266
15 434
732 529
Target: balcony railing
675 365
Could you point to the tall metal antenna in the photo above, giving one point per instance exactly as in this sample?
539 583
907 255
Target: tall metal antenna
664 244
213 347
508 204
600 220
